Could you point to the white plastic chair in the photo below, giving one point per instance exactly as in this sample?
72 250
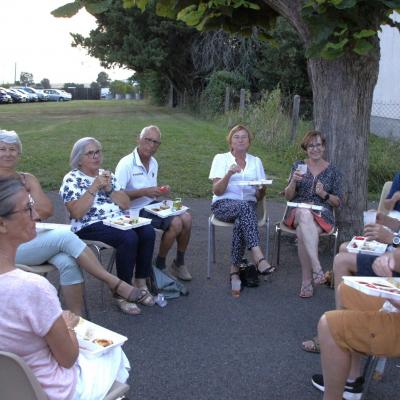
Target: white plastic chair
17 381
213 222
281 227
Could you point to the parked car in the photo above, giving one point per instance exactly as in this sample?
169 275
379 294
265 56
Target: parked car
22 93
5 97
57 95
16 96
30 92
42 95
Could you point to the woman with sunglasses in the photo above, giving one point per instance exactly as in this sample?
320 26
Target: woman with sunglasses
92 195
32 323
59 247
315 181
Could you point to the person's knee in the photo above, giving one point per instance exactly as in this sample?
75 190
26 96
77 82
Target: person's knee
176 226
147 234
187 221
343 247
344 264
303 216
323 329
69 270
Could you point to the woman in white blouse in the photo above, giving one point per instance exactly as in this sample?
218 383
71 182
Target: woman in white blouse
237 204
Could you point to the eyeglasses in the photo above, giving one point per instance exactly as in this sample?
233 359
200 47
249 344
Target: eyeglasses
152 141
29 207
93 153
244 137
314 146
11 150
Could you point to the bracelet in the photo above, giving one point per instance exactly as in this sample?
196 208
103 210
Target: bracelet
88 191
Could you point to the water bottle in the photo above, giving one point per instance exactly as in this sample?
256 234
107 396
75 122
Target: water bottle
160 300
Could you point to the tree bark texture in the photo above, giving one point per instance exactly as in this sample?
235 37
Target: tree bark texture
342 100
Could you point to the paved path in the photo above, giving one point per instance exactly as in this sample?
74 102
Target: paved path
209 345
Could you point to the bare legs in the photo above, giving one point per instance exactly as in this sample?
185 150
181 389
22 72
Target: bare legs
308 236
73 297
180 230
337 365
343 265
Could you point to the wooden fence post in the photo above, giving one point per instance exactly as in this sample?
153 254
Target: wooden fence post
295 117
171 96
242 101
227 101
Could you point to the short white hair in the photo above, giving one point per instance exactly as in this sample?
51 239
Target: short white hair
10 137
149 128
79 148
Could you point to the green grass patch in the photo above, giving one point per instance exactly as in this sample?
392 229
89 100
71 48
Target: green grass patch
189 144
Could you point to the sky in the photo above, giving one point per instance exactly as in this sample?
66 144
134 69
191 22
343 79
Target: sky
36 42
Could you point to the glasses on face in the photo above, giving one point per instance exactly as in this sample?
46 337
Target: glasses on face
93 153
314 146
29 207
152 141
11 150
238 137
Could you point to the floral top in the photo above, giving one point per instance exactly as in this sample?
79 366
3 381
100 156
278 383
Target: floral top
74 185
330 177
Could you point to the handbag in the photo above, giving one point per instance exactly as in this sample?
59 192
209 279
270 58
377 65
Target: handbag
248 274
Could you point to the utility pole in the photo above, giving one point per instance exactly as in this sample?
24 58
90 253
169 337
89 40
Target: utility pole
15 73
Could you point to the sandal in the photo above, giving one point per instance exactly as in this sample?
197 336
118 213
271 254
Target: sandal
306 291
128 307
235 291
319 277
133 295
269 270
312 345
145 298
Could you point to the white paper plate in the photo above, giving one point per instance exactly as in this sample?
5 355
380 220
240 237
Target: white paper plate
155 209
304 205
253 183
126 224
388 288
359 244
87 331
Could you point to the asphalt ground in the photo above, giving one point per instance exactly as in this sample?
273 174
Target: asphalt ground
209 345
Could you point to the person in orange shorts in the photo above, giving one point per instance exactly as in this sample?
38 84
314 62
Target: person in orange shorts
360 328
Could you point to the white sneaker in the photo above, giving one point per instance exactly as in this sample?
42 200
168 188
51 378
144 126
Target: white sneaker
180 272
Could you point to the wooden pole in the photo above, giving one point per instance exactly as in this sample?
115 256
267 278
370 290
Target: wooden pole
242 101
227 94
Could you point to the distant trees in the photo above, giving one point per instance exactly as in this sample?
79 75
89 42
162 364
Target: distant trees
45 83
103 79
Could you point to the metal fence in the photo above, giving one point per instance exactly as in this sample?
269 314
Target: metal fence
385 120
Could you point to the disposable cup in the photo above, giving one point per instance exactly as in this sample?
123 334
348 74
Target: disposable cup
236 288
369 217
302 168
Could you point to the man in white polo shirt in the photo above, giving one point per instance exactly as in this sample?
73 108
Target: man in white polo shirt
137 174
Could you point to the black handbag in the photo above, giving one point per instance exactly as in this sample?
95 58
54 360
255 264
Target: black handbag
248 274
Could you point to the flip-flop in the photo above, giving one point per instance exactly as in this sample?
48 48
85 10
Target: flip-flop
306 291
145 298
128 307
314 345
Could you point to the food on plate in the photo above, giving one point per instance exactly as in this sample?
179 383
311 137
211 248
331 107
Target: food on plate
164 205
119 222
156 209
103 342
133 221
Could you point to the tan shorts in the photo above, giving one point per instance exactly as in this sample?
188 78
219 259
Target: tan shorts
361 327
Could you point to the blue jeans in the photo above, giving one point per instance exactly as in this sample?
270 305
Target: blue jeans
133 247
58 247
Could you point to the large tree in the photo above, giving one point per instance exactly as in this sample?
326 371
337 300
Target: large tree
343 49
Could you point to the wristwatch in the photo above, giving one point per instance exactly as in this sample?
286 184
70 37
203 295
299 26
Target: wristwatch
326 197
396 240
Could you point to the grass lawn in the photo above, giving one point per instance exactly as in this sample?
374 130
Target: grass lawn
48 131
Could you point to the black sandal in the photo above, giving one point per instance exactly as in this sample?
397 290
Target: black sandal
267 271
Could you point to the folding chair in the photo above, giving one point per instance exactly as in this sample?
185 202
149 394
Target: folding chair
46 268
281 227
213 222
385 191
17 381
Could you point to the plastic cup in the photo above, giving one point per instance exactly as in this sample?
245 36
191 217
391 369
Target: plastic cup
177 203
302 168
369 217
236 283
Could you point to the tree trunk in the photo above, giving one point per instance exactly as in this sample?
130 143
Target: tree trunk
342 97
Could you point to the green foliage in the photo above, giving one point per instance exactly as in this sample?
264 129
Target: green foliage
103 79
213 97
45 83
120 87
154 86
